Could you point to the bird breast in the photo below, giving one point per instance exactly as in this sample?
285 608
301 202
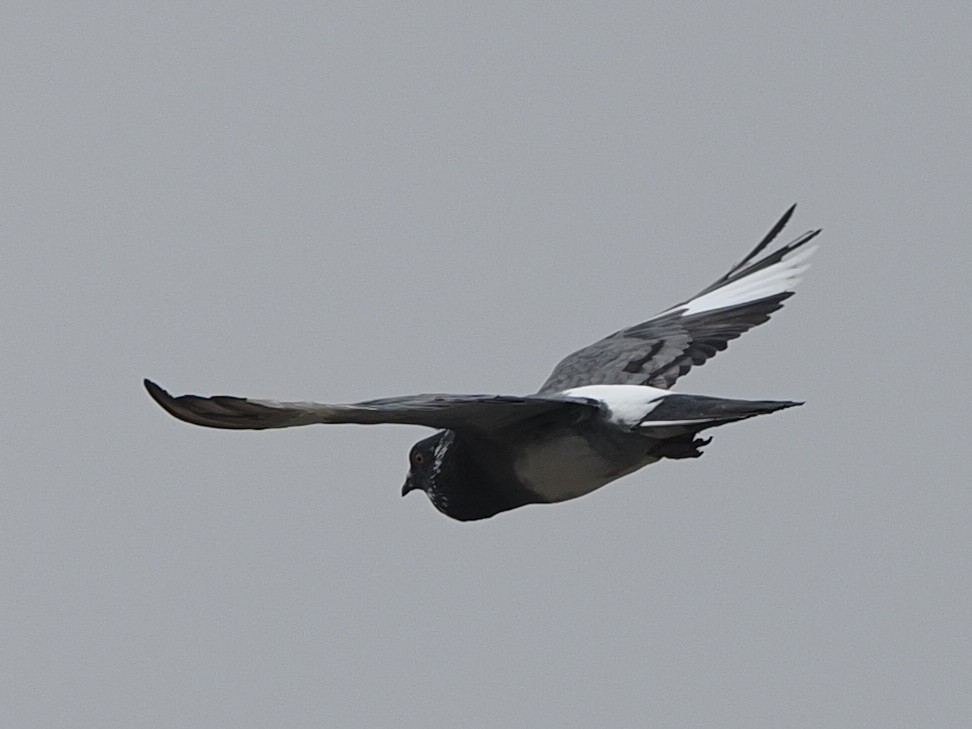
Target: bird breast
567 466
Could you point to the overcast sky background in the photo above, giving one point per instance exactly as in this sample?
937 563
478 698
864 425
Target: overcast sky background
350 200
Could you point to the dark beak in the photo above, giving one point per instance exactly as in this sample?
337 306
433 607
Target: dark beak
409 486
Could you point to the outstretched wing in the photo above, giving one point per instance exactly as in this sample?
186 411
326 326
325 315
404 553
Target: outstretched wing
473 413
659 351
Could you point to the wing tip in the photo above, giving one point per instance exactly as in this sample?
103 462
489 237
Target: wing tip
767 239
164 400
155 392
220 411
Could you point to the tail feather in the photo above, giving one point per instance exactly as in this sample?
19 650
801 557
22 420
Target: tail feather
698 412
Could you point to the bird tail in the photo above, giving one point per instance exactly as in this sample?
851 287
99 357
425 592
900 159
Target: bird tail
677 419
692 413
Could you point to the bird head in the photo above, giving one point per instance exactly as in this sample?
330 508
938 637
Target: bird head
456 484
425 473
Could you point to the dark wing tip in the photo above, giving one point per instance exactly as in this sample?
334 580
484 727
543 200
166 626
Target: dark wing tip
167 402
768 238
783 221
222 411
157 393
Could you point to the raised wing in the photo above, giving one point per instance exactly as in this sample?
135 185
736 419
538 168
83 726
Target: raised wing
473 413
659 351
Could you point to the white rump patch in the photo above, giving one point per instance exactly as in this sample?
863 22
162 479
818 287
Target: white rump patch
781 276
628 404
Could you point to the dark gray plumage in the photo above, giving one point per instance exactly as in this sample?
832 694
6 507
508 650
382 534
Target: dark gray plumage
604 411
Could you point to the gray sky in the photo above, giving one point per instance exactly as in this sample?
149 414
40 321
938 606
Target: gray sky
350 201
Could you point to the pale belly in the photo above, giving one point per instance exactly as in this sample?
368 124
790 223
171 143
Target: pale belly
565 468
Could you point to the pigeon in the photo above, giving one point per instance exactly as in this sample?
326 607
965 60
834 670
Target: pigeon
605 411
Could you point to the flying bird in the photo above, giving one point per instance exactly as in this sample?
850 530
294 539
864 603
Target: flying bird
605 411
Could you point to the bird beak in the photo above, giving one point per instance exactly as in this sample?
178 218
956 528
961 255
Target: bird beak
409 486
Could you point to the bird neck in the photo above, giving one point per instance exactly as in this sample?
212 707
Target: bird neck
468 487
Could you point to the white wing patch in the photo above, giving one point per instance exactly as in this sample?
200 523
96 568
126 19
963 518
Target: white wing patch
628 404
780 277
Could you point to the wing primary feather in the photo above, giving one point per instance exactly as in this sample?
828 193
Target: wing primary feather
224 411
767 239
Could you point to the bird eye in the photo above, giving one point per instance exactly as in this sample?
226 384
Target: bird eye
419 458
